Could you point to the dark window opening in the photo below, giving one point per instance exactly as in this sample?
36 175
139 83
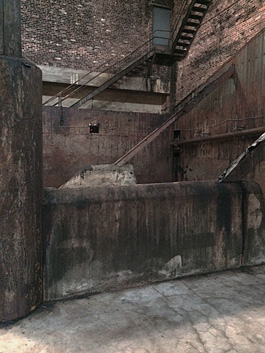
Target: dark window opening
161 26
94 128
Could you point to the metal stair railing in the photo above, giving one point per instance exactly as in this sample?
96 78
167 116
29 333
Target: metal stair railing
122 68
64 93
187 21
110 67
118 69
120 73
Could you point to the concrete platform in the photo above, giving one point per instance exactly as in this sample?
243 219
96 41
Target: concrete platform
218 313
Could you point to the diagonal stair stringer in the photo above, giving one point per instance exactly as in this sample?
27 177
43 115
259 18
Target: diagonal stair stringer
186 105
114 79
166 56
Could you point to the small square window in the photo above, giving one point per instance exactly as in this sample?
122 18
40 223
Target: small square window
94 128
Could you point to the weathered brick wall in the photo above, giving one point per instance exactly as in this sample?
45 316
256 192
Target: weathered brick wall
82 34
227 27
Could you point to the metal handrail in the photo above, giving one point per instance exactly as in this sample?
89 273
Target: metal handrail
109 67
73 84
73 89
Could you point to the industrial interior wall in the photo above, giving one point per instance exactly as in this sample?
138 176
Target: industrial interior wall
154 232
233 109
69 146
227 27
84 34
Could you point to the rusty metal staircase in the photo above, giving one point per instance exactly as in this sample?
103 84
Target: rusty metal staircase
181 39
186 33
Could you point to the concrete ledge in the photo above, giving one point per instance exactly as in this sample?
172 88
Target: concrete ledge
69 76
106 238
102 174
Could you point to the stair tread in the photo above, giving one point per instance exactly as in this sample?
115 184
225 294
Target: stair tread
178 50
182 44
192 24
189 30
198 8
185 38
203 2
196 17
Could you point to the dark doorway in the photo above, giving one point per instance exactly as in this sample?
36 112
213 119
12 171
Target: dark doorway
161 26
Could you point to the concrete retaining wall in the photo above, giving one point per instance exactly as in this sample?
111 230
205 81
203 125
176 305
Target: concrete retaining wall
114 237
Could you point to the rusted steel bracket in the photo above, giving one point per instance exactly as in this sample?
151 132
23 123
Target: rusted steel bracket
243 157
225 136
183 107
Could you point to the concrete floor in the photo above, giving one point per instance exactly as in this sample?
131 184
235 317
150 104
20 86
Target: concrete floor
222 312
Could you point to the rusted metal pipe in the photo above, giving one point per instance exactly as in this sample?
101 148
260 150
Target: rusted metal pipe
225 136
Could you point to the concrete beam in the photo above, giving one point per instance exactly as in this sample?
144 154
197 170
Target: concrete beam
69 76
10 27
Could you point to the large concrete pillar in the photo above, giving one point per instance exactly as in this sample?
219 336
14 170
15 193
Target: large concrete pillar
20 172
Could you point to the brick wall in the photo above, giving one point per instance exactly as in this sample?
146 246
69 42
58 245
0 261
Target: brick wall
227 27
83 34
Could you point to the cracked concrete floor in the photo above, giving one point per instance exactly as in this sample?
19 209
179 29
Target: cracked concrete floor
223 312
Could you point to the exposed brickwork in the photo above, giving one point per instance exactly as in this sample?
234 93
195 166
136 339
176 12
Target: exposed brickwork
227 27
83 34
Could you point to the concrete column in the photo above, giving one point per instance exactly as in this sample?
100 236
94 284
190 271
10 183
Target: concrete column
20 172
